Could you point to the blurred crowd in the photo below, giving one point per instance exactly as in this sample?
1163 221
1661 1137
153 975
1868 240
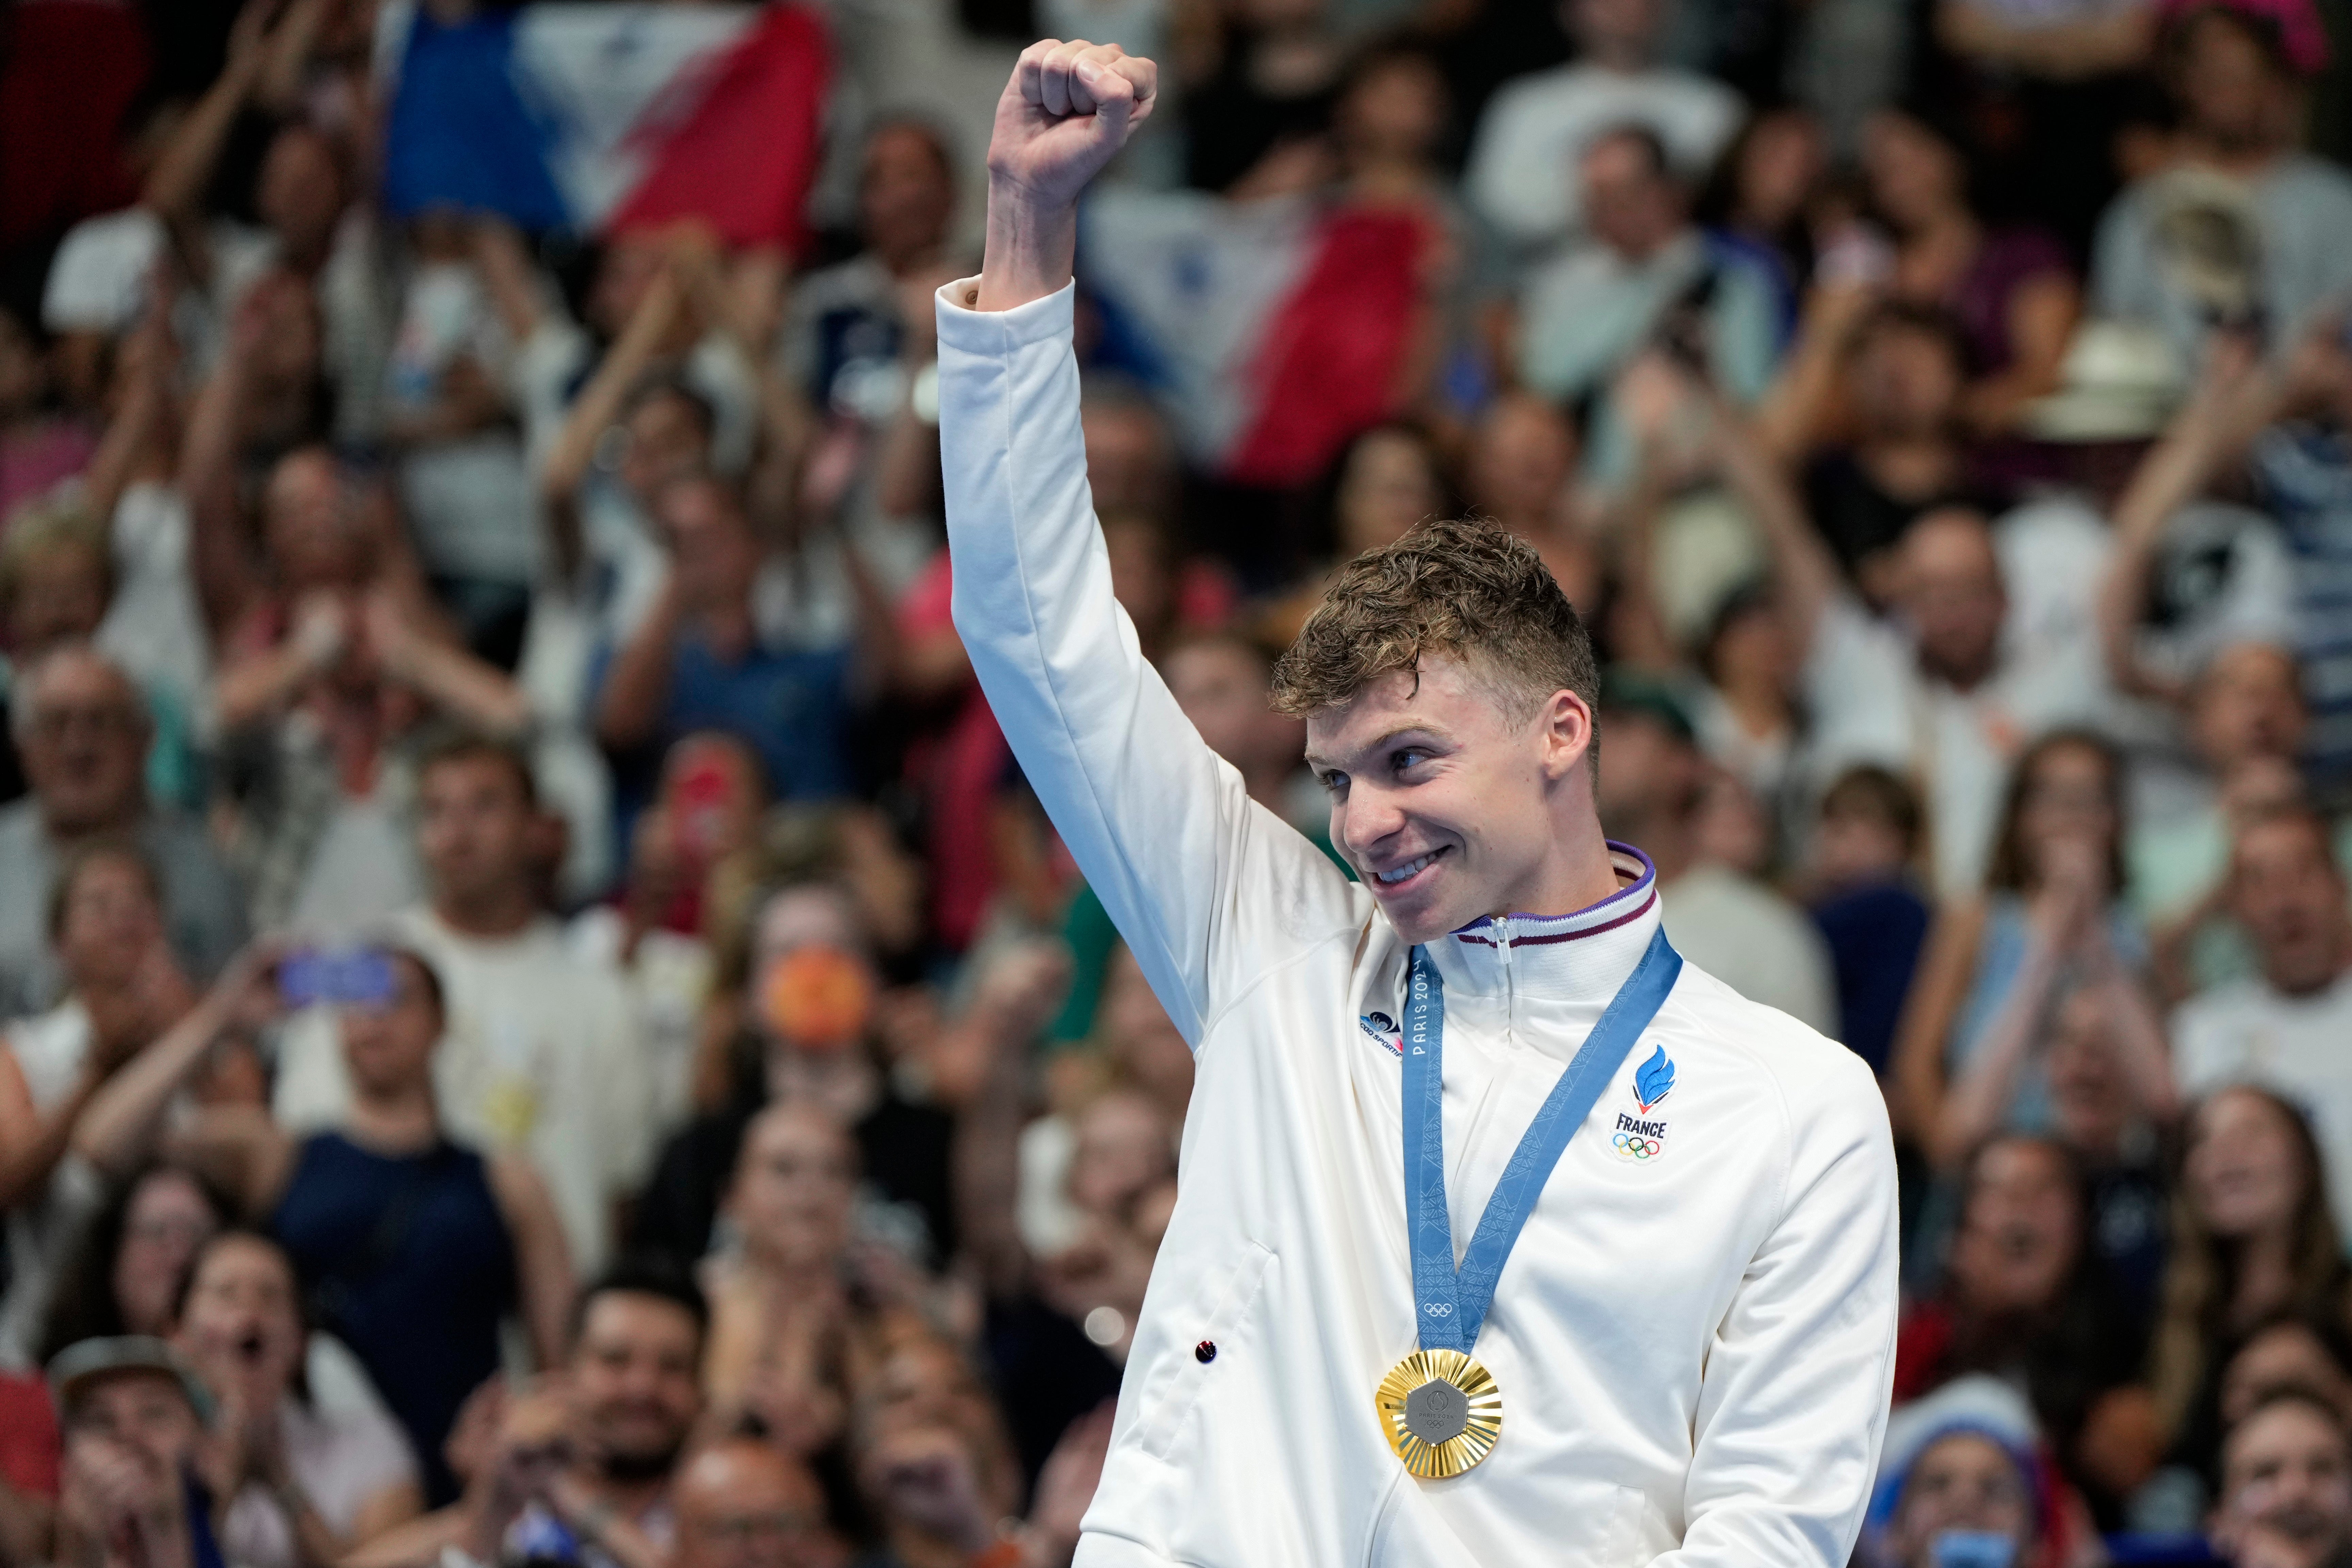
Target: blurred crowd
545 1025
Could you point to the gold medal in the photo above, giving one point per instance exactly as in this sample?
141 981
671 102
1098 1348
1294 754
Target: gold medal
1441 1412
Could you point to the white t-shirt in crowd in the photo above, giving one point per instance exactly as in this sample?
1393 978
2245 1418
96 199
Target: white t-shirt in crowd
543 1057
669 977
49 1050
340 1460
2248 1032
154 628
1872 703
1753 940
1523 176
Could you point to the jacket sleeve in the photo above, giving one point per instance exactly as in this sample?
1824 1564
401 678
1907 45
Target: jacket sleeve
1792 1404
1207 888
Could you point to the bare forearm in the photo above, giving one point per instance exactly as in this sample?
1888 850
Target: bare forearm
1807 573
1973 1108
465 687
119 1126
258 687
23 1169
599 404
208 481
176 186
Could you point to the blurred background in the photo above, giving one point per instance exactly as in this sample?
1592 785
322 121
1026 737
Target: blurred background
546 1025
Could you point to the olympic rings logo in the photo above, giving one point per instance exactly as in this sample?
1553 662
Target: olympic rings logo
1633 1146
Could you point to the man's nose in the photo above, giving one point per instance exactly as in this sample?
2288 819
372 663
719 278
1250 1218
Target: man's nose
1367 817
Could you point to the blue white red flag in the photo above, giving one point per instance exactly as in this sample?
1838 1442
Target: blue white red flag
1274 330
600 119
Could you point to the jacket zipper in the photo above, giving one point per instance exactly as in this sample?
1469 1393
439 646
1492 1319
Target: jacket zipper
1510 986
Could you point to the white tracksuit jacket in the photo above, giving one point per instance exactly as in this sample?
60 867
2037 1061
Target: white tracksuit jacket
1695 1334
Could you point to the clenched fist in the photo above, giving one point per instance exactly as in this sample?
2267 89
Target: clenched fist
1066 113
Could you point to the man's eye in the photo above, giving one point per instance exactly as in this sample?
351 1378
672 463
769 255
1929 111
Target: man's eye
1409 756
1335 782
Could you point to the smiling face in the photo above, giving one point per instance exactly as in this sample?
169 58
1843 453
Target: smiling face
1446 805
2244 1170
634 1376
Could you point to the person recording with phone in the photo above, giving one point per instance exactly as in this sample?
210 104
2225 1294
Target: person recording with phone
412 1248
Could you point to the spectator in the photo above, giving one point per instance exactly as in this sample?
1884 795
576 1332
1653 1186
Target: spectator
742 1504
2287 1486
1868 904
1727 922
800 1029
1870 406
133 1419
416 1247
461 479
1526 173
1746 713
1265 92
83 732
2105 1109
1961 1473
931 1459
1520 471
857 339
298 1484
125 989
1646 272
789 1326
2289 1351
701 659
1756 203
576 1467
2010 290
542 1057
2284 1027
2024 1296
582 1471
2281 219
2051 911
656 933
127 1274
2282 426
1954 689
2253 1236
1386 479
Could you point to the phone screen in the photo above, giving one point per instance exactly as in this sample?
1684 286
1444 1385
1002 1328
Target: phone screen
353 976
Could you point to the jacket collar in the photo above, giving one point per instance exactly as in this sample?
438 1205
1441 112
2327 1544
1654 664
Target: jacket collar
1580 956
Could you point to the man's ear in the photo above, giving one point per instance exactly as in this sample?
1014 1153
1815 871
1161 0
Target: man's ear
1567 729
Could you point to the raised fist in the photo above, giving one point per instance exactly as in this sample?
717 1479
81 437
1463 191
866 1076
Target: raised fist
1066 113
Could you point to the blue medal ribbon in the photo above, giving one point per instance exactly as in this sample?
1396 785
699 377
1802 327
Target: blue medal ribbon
1453 1304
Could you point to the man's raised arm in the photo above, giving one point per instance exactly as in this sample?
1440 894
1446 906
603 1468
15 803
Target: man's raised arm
1206 888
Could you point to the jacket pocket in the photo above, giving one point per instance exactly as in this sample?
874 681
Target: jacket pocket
1229 1311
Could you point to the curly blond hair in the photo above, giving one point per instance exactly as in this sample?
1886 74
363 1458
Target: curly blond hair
1463 587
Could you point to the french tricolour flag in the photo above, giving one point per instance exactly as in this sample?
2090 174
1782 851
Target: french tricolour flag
1274 331
600 119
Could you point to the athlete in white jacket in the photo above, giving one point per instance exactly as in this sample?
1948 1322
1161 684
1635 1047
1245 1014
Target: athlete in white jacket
1693 1335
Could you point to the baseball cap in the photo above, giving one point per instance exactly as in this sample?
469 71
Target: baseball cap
74 1369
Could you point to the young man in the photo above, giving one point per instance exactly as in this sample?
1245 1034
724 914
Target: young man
1692 1342
544 1055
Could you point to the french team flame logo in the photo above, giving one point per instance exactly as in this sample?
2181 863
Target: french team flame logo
1653 1080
